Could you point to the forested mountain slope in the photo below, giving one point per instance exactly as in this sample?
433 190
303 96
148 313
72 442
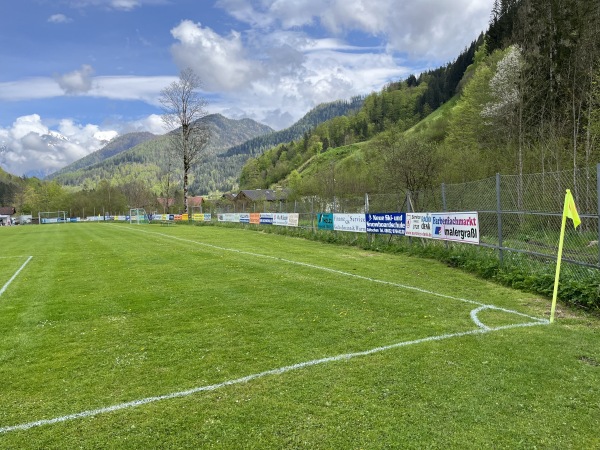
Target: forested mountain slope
523 98
114 147
150 163
314 117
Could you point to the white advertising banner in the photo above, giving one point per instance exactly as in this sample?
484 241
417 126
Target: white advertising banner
350 222
460 227
229 217
286 219
418 225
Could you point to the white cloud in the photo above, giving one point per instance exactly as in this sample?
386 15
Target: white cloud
121 5
438 29
76 82
277 77
146 89
125 5
31 147
152 123
59 18
220 61
29 89
27 124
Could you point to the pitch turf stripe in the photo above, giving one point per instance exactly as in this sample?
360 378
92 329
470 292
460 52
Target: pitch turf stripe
246 379
340 272
14 276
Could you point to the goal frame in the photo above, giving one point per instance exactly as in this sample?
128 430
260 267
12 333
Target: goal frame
46 217
138 216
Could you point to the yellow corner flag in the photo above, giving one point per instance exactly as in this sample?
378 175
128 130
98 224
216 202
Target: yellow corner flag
570 211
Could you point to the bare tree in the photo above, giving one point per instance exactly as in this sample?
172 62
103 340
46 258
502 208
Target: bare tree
183 107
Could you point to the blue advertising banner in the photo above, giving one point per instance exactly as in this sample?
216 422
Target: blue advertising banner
386 223
325 221
266 218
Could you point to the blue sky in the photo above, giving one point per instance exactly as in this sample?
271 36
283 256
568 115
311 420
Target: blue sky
88 70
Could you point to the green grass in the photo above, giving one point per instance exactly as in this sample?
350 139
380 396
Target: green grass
106 314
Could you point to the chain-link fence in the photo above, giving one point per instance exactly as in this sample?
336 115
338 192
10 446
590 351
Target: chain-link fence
519 216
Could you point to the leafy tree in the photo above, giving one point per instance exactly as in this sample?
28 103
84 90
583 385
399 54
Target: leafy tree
405 163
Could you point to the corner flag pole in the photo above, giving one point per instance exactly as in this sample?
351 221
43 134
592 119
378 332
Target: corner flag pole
570 211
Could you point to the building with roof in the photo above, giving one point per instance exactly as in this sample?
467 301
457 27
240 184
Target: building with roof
247 199
6 213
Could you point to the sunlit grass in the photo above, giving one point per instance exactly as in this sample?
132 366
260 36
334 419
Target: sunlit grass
105 314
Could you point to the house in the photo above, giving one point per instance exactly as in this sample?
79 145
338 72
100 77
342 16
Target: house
195 202
6 213
166 203
245 198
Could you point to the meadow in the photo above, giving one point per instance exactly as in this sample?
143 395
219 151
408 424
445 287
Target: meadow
141 336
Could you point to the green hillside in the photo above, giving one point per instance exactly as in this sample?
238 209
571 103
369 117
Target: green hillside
502 106
149 163
114 147
321 113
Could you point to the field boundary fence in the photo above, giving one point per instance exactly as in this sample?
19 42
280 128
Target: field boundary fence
519 216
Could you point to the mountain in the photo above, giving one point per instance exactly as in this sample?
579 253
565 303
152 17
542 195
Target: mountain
112 148
314 117
148 161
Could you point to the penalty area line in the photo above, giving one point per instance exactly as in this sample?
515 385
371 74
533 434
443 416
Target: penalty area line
14 276
247 378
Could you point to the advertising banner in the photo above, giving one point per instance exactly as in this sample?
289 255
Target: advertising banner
207 217
197 217
460 227
386 223
266 218
418 225
245 218
325 221
286 219
255 218
355 223
229 217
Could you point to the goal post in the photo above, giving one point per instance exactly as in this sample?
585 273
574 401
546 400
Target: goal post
52 217
138 216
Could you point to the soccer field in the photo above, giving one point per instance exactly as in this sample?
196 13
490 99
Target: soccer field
137 336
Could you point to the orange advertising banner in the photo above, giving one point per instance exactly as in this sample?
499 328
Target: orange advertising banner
255 218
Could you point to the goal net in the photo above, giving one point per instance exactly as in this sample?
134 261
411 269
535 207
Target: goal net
138 216
52 217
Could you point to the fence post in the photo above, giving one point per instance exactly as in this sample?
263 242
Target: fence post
444 197
444 207
409 209
367 212
312 213
598 197
499 216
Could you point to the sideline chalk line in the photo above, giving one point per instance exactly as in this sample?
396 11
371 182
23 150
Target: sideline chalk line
346 356
339 272
481 329
14 276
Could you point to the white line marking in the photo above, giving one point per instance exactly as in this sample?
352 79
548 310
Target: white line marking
482 329
339 272
14 276
279 371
